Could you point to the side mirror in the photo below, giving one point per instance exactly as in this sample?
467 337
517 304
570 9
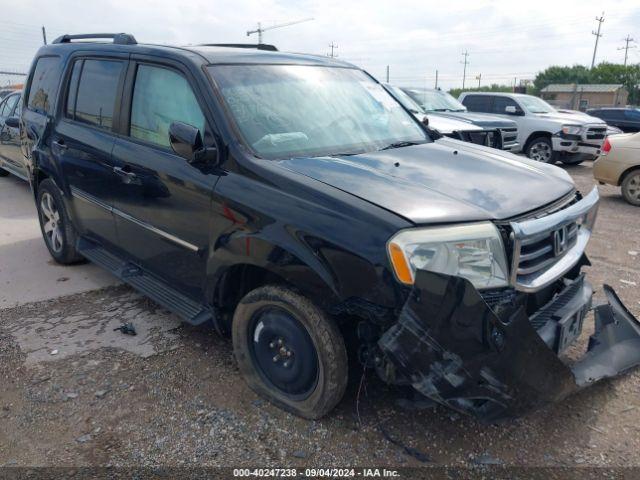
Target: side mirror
512 110
185 140
425 121
12 122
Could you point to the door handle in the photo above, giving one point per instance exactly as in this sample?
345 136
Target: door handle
60 144
128 176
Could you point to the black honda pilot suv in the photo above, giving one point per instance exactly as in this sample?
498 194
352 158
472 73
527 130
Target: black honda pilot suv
291 202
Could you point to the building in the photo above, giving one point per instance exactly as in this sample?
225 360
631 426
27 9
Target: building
580 97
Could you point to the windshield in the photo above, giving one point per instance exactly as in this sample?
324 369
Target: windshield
435 100
535 105
284 111
408 102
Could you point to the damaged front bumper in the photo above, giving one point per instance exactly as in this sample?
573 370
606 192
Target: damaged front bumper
455 350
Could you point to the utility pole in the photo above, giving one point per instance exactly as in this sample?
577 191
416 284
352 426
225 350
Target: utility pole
465 54
333 46
479 77
44 35
387 73
627 47
436 79
598 35
261 30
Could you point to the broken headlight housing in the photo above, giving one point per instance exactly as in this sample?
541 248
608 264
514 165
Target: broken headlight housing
472 251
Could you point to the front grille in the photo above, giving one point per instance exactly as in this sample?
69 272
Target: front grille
595 133
509 137
488 138
541 251
546 247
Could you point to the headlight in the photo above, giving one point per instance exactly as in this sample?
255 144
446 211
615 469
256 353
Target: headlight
571 129
473 251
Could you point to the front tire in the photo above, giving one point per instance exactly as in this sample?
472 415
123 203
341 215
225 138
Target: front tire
289 351
540 149
57 231
631 187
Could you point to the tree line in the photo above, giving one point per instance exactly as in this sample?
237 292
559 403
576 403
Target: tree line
629 76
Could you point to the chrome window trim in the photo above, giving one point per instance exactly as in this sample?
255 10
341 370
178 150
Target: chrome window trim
585 211
87 197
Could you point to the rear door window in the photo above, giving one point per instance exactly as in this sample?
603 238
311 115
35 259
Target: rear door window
96 93
161 97
477 103
44 85
501 103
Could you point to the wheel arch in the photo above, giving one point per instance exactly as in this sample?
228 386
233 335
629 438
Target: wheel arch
626 173
534 135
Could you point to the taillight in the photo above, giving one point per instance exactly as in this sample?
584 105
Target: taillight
606 147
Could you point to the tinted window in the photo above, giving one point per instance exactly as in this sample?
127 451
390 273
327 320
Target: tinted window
161 97
44 85
477 103
97 92
633 115
73 89
501 103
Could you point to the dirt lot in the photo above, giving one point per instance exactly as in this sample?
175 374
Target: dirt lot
74 392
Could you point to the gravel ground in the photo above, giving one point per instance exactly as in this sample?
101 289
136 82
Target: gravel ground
75 393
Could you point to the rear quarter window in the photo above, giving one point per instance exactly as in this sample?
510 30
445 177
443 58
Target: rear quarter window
44 85
477 103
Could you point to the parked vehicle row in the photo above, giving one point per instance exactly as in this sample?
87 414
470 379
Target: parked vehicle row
544 134
291 201
491 132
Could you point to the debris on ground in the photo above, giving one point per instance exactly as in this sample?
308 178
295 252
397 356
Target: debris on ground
126 328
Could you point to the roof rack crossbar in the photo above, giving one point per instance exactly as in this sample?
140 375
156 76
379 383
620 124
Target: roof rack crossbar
118 38
257 46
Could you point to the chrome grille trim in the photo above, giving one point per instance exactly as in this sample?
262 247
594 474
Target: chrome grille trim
535 268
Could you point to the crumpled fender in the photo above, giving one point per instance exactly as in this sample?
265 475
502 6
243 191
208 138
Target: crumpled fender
457 352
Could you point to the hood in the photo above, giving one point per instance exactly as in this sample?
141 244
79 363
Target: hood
448 125
441 182
565 116
480 119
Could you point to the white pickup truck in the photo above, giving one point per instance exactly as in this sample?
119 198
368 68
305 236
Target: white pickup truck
544 133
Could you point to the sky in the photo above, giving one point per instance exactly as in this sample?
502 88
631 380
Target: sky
507 41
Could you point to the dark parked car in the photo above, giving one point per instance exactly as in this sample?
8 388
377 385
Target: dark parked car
11 158
626 119
443 104
290 201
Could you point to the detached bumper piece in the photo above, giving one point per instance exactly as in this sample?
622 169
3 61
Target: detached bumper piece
456 351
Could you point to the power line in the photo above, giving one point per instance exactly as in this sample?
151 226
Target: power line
627 47
333 46
465 54
598 35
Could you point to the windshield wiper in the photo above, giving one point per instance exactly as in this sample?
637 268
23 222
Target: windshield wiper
399 145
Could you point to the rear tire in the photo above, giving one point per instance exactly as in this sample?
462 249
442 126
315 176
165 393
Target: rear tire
631 187
57 231
540 149
289 351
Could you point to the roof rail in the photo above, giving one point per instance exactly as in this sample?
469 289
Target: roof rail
257 46
118 38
